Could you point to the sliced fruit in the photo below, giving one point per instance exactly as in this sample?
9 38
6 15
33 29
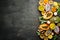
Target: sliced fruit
52 26
41 8
58 24
43 27
48 32
48 15
50 1
55 19
43 13
54 9
47 7
45 38
41 2
42 36
55 3
45 1
56 30
50 36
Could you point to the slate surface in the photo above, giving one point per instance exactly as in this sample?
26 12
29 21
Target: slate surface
19 19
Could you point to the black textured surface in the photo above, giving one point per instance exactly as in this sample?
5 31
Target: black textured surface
18 19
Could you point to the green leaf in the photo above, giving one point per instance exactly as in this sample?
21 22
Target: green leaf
40 18
55 37
58 11
43 21
38 33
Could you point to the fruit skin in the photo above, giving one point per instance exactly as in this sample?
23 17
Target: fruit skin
42 36
56 30
52 26
42 27
41 8
55 19
55 4
47 7
46 16
50 1
48 32
41 2
45 1
50 36
45 38
54 9
58 24
43 12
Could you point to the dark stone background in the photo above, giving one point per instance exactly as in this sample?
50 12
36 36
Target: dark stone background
18 19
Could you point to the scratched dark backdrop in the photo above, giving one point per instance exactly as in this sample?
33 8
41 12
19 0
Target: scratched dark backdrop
19 19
